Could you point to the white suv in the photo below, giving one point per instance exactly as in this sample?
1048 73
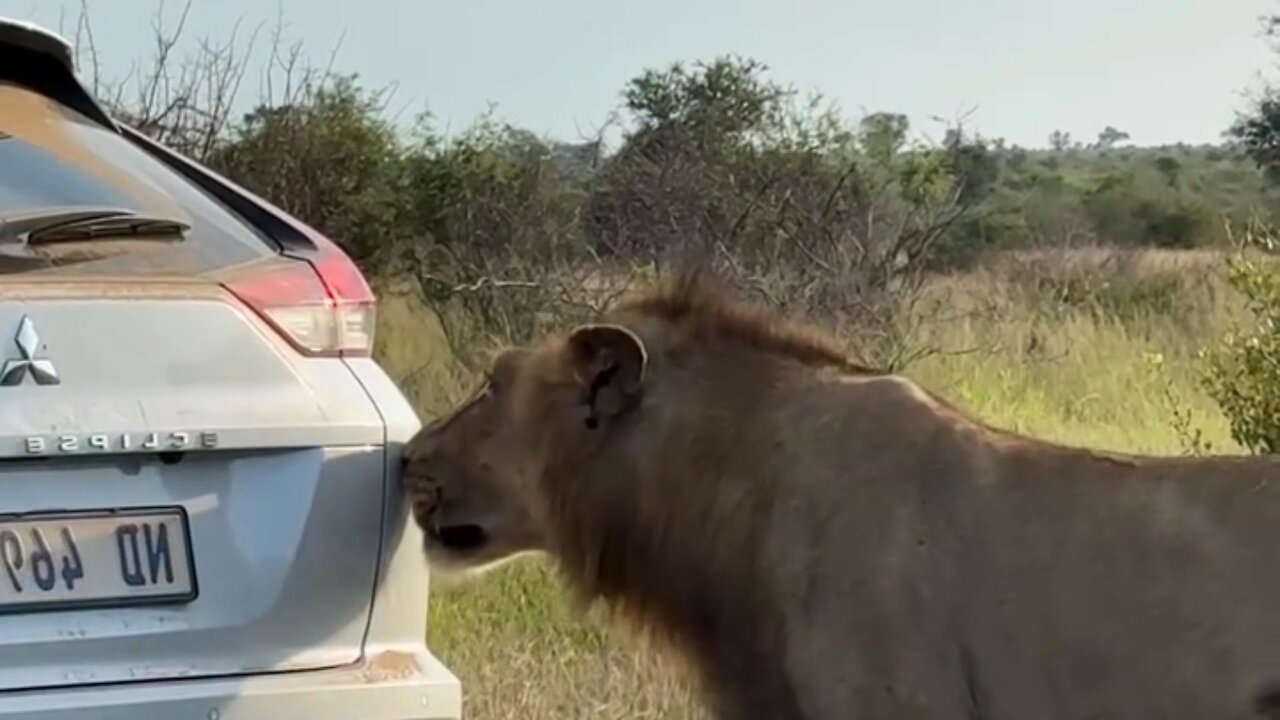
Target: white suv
200 508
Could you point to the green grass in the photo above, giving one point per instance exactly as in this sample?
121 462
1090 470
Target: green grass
1069 374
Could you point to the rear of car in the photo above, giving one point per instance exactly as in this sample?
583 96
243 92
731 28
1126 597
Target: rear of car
200 508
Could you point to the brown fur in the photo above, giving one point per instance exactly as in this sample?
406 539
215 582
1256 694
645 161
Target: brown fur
827 542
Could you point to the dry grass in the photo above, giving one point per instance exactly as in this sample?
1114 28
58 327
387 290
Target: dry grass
1084 349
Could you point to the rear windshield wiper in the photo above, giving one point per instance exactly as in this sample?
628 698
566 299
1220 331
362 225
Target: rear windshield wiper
80 222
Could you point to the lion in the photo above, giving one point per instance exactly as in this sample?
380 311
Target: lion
826 541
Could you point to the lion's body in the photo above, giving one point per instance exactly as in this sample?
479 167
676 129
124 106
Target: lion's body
932 569
831 544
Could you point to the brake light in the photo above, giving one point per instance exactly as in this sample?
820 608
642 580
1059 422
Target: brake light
321 303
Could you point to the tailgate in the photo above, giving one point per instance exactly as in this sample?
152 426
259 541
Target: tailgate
181 494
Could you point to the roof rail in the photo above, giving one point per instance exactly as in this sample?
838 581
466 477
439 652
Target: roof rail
45 62
30 36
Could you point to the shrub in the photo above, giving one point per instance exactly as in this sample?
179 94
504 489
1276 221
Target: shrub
1243 374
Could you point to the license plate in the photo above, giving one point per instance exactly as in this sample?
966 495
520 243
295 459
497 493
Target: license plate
103 559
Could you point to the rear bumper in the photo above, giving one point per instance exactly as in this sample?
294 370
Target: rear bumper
391 685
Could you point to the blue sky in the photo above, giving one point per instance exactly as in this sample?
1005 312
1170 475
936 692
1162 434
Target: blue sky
1162 70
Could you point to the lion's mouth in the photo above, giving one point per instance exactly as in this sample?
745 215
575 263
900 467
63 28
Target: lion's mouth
467 537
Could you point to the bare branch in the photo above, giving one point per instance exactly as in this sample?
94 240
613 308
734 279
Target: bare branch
84 39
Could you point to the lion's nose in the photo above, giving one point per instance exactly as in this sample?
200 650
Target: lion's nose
421 489
414 467
424 446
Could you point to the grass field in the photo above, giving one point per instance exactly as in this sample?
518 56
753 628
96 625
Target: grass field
1085 352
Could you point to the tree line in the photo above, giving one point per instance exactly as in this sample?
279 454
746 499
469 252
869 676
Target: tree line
717 162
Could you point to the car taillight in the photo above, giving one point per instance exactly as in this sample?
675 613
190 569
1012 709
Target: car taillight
320 303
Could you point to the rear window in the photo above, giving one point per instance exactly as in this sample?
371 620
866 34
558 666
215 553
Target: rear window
52 156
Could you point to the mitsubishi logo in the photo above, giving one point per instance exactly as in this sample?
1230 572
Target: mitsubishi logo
15 371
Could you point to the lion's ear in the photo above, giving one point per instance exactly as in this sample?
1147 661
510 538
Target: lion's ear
609 363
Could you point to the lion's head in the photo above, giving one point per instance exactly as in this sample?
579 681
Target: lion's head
476 476
585 435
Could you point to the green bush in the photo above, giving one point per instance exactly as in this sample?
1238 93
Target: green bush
1243 374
